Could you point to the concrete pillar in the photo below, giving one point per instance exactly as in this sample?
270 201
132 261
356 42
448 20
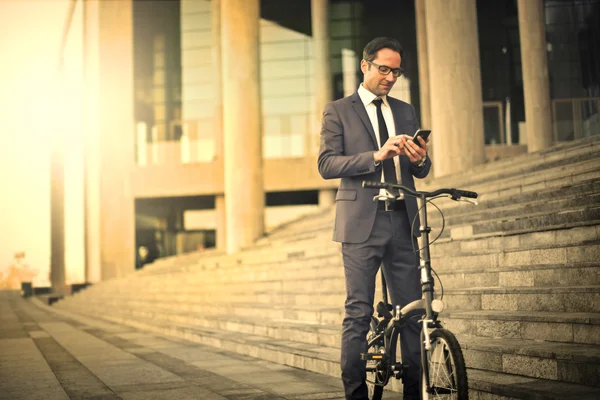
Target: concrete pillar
91 87
243 161
221 237
221 233
159 86
423 64
57 211
455 85
57 177
350 64
536 86
323 85
217 61
109 129
327 197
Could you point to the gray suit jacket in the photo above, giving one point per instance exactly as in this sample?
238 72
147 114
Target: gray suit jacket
347 145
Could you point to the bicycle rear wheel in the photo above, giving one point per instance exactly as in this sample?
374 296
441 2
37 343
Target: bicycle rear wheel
375 346
445 366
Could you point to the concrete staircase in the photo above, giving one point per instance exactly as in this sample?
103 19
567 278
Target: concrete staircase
520 274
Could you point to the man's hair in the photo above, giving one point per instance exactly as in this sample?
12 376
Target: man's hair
371 49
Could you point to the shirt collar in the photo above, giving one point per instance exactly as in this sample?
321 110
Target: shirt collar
367 97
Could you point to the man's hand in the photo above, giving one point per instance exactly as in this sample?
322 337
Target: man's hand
413 151
394 146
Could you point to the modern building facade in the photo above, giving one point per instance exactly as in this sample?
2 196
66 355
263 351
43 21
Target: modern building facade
202 117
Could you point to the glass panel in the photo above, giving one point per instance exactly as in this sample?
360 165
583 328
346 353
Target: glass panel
590 125
492 125
565 128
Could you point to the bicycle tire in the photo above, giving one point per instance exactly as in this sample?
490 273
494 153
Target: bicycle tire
375 392
445 365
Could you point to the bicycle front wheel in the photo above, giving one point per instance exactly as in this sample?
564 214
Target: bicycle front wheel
444 365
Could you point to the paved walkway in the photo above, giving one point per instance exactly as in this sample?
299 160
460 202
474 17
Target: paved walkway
48 355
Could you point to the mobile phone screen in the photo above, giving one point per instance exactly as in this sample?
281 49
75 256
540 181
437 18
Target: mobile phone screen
424 133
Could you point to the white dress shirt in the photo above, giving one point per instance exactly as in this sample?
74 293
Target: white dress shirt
367 98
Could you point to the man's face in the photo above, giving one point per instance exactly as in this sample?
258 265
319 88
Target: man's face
375 81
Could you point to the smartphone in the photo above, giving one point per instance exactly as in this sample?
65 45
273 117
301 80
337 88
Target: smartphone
424 133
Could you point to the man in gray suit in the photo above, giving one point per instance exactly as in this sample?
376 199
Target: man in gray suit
364 137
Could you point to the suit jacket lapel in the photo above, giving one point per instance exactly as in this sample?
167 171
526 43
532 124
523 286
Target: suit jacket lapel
364 117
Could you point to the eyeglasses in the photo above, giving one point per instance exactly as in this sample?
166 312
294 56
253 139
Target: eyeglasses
383 70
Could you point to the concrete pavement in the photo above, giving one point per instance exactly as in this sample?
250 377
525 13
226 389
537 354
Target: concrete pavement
45 354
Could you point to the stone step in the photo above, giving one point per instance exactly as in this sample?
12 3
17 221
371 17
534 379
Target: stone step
499 386
322 279
540 221
486 267
574 363
582 328
523 164
515 190
293 330
551 299
260 311
551 361
289 250
267 255
524 182
581 235
556 171
578 190
528 276
575 327
552 247
512 195
543 255
475 215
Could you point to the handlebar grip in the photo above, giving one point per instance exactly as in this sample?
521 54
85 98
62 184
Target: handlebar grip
466 193
374 185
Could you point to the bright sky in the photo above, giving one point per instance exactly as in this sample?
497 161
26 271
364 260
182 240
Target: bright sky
30 34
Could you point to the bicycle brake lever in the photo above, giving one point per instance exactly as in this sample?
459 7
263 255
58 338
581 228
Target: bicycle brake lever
389 196
386 196
474 202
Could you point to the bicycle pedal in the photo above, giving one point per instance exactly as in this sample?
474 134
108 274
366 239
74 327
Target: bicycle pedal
371 356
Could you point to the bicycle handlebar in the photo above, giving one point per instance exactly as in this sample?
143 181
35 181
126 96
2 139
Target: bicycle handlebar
455 193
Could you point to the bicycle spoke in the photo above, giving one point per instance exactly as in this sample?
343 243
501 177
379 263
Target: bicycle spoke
441 371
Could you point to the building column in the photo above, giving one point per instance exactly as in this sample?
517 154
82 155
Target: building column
221 237
455 85
327 197
536 86
242 123
91 76
323 85
109 129
221 233
159 88
57 177
423 64
57 211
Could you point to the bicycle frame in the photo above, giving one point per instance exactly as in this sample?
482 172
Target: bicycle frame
424 306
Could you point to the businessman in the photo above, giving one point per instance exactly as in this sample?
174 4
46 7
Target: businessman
368 137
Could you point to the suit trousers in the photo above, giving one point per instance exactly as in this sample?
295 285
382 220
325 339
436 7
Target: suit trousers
391 245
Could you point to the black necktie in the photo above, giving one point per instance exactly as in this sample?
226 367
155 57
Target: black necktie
389 170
